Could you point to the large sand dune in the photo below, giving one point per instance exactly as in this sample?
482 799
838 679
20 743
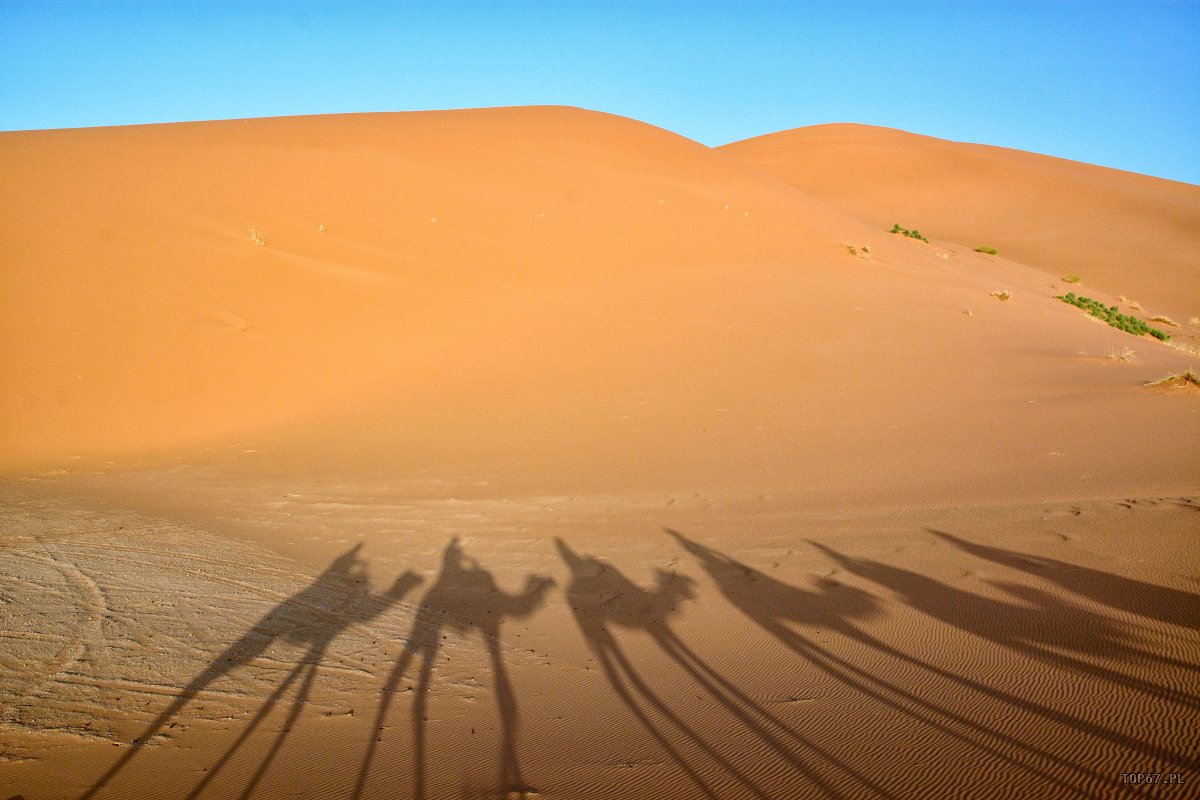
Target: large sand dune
1126 233
542 452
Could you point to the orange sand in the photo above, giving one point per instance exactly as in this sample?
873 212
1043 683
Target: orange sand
540 452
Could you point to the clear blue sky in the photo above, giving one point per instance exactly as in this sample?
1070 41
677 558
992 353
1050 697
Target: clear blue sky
1113 83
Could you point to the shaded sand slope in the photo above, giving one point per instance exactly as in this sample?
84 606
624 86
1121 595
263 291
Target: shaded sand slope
1126 233
539 299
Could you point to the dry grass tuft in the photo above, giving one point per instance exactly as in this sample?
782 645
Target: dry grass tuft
1186 378
1002 296
1134 304
861 251
1072 279
1194 321
1121 354
1165 321
1184 346
258 238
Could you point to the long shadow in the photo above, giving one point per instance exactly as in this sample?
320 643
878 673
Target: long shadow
776 607
601 599
1043 627
1164 604
463 598
337 598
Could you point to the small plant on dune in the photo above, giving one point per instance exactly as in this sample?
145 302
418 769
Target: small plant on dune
1134 304
1164 320
913 234
1186 378
1002 296
863 252
1122 354
1194 321
991 251
258 238
1191 349
969 312
321 228
1073 279
1109 314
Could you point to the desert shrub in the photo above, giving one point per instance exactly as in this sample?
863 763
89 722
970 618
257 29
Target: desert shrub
1073 279
1109 314
1002 296
913 234
983 248
1164 320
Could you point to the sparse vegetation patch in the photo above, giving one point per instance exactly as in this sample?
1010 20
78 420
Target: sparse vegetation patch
913 234
257 237
983 248
1002 296
862 251
1185 378
1072 279
1164 320
1109 314
1121 354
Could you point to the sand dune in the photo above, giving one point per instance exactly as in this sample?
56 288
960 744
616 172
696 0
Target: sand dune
538 452
1121 232
545 297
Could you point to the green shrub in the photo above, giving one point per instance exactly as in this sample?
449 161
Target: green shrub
913 234
983 248
1109 314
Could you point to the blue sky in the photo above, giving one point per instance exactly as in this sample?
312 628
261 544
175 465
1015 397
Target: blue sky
1112 83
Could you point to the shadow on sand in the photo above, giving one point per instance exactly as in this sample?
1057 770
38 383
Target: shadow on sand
1123 594
603 600
338 598
783 611
463 598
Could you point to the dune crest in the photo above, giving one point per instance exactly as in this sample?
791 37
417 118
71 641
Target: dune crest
1122 232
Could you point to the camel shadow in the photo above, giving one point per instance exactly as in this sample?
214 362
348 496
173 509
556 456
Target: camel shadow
1161 603
603 600
464 597
1062 635
777 607
1035 623
336 599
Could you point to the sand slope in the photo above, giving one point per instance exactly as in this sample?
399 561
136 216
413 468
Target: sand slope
547 297
1122 232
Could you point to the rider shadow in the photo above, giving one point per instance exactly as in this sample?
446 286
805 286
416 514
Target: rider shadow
338 598
1034 623
777 606
464 597
1060 634
602 600
1161 603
